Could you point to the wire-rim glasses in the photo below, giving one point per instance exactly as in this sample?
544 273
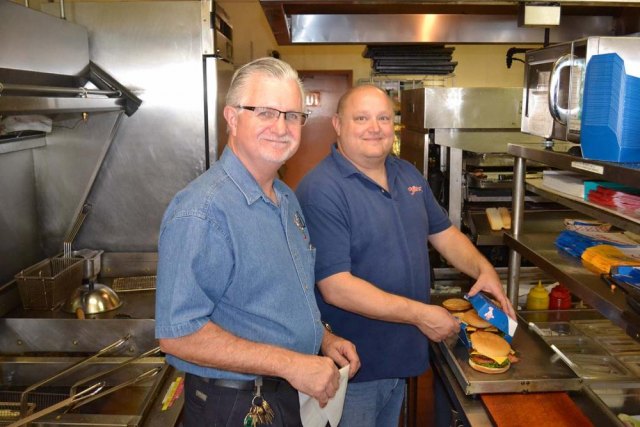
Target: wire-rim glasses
269 115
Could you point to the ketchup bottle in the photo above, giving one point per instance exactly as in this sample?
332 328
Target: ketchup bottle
559 298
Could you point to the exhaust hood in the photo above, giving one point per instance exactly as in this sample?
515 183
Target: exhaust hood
440 21
45 69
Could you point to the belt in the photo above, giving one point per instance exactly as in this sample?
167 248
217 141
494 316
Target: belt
269 384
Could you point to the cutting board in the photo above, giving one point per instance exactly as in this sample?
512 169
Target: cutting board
554 409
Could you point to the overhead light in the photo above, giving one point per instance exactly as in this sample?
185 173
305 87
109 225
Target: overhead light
538 14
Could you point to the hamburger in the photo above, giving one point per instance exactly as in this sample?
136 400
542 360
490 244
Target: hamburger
456 304
490 353
475 322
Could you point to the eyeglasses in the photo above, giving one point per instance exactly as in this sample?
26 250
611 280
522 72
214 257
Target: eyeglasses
270 115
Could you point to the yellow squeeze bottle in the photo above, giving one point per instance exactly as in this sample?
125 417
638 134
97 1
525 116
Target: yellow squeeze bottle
538 298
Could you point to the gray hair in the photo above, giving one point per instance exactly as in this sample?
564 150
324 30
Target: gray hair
269 67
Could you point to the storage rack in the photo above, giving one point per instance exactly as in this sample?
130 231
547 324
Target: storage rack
538 247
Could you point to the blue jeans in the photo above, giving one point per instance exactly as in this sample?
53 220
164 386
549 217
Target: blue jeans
373 403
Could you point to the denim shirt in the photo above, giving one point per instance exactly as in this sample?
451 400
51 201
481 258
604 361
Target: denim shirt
229 255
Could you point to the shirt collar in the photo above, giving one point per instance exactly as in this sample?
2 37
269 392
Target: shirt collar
243 179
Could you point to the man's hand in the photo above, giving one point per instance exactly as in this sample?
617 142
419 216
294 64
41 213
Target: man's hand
341 351
316 376
490 282
437 323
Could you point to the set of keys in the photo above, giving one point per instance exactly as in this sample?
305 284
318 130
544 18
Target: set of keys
260 412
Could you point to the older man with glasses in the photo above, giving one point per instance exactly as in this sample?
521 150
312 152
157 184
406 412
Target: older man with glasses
235 305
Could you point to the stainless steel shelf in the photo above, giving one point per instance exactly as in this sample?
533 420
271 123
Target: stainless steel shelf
539 248
623 173
548 220
585 207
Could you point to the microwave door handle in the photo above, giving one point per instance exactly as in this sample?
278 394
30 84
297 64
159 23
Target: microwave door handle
558 113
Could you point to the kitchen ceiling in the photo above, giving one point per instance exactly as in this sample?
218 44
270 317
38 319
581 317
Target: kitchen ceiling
440 21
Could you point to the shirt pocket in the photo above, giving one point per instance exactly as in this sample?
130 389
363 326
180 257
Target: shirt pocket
312 263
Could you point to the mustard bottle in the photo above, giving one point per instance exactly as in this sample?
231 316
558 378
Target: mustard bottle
538 298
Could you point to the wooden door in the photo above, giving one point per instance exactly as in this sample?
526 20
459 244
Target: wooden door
324 89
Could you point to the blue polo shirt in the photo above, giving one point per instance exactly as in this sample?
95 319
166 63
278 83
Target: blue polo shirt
228 255
379 236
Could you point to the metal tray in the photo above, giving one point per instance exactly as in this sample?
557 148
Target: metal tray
539 368
599 367
557 329
619 345
619 397
598 328
576 345
632 363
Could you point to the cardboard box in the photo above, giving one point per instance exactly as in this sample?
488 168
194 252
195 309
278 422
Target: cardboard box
491 313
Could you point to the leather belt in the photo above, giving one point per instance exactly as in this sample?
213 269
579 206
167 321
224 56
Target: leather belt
235 384
269 384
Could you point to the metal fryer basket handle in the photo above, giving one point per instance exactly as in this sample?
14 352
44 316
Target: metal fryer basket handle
148 353
143 376
111 347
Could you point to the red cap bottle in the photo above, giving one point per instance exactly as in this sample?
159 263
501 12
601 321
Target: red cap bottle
559 298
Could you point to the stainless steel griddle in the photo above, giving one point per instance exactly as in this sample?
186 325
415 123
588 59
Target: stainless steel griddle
540 369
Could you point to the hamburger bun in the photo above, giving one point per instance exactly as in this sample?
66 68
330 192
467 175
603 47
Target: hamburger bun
456 304
489 353
458 315
471 318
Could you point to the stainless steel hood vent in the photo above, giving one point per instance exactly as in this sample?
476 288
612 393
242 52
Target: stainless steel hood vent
45 68
439 21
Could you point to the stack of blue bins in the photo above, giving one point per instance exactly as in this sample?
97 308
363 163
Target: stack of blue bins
610 129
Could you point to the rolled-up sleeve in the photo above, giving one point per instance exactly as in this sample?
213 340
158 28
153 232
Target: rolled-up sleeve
195 262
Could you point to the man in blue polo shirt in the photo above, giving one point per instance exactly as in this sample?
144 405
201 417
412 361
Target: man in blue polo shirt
370 216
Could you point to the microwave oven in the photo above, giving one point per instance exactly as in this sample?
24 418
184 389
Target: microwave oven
554 81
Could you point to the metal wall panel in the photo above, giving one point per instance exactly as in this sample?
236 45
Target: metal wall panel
456 108
50 45
154 49
19 231
65 170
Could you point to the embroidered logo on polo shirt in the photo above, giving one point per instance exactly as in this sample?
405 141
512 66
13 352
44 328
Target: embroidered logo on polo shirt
415 189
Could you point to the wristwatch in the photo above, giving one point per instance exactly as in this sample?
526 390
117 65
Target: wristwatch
327 326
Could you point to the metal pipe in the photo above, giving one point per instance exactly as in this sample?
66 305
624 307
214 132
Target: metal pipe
62 15
517 210
26 3
59 90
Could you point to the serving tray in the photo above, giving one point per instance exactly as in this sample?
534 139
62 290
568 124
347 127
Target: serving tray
539 369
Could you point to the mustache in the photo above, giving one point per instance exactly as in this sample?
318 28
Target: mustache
286 139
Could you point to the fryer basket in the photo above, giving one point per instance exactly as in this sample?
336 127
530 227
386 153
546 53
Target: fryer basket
45 285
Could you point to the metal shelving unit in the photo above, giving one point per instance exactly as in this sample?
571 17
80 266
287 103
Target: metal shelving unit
538 247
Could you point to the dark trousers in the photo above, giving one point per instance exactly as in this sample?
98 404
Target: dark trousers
211 405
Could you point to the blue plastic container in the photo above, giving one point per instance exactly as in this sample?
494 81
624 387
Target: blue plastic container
610 129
